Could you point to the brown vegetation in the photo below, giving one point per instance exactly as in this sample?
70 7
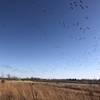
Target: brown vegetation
48 91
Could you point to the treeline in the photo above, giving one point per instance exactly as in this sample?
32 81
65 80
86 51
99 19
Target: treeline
83 81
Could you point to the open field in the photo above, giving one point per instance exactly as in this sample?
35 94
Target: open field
13 90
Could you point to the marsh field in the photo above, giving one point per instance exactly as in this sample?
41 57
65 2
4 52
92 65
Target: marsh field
27 90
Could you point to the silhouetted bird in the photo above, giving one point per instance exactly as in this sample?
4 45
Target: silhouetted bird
44 10
72 8
74 3
80 28
77 23
81 7
64 24
86 18
81 1
71 4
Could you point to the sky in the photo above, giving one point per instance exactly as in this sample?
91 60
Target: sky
50 38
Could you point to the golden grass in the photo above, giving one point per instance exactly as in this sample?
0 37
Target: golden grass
47 91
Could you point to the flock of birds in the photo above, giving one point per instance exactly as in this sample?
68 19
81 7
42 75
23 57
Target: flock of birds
81 5
78 23
78 3
73 5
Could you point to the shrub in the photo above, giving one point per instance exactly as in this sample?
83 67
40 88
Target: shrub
2 81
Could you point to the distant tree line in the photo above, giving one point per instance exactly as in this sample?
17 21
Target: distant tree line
83 81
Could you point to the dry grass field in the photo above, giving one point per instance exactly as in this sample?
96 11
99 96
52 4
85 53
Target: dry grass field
13 90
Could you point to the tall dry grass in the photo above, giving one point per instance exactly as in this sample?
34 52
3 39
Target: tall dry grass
40 91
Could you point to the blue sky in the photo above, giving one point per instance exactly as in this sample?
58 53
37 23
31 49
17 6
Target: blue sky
50 38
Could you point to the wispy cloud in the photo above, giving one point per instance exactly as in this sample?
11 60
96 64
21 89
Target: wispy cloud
12 68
